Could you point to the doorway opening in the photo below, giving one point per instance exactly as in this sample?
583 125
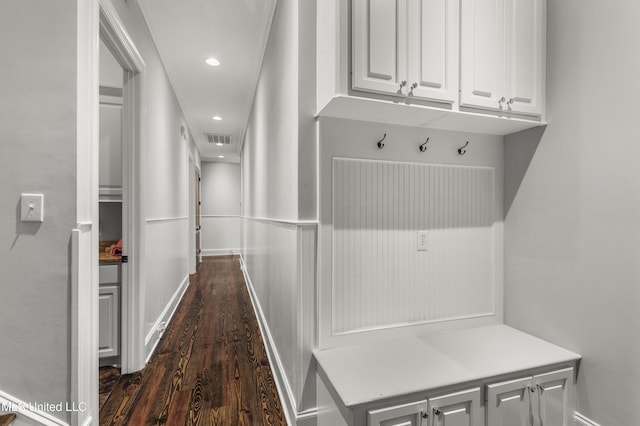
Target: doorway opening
121 185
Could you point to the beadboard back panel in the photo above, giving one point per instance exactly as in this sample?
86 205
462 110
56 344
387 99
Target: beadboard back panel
380 278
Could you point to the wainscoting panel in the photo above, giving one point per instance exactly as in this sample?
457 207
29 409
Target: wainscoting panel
379 277
279 259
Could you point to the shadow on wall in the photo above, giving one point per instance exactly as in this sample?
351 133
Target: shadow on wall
24 228
519 149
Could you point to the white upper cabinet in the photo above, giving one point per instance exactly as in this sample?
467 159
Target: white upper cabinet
433 40
502 55
406 48
463 65
524 55
379 45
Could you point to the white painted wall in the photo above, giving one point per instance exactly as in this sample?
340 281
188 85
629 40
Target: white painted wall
165 185
110 145
279 189
39 134
220 211
572 203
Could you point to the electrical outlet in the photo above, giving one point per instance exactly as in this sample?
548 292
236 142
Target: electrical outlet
422 241
32 207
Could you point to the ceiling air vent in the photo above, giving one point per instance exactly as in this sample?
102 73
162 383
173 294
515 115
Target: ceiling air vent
218 138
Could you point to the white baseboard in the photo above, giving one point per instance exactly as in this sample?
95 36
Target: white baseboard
29 411
220 252
306 418
581 420
153 337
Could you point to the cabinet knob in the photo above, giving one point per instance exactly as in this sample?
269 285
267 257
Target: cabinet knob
423 414
510 101
403 83
414 85
437 411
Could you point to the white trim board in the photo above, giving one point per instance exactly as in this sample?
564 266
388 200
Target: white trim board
220 252
164 318
25 409
581 420
283 386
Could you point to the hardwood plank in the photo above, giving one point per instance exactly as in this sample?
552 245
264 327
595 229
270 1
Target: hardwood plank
6 419
210 367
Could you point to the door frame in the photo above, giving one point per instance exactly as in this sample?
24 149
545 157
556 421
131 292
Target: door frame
114 35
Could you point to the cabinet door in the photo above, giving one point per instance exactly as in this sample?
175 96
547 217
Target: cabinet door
433 37
379 46
509 403
555 391
482 54
109 321
457 409
398 415
524 58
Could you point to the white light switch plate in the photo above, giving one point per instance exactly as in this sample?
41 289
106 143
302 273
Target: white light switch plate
32 207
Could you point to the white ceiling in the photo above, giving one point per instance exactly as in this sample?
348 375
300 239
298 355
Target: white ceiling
187 32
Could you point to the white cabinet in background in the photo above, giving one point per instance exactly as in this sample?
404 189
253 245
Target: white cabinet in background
406 48
109 311
540 400
502 55
109 321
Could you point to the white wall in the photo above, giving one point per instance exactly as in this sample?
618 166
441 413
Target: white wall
38 130
572 205
220 210
165 182
279 190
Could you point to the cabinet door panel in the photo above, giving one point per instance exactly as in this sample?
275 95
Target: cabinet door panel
458 409
509 403
524 41
399 415
109 321
554 398
482 54
379 45
433 49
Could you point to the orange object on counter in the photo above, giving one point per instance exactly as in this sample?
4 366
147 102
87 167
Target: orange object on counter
117 249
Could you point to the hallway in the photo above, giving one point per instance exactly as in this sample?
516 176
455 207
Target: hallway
210 367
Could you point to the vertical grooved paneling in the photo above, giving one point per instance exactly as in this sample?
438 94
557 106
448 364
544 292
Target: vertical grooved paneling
379 277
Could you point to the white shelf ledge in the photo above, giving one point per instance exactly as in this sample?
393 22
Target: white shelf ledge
397 112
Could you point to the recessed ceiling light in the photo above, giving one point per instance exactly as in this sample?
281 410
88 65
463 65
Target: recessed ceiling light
217 117
220 156
219 143
212 61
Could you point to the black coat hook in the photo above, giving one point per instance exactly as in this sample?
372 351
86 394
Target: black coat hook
380 144
462 150
423 147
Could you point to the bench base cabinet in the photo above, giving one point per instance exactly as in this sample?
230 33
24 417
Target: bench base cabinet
540 400
455 409
533 400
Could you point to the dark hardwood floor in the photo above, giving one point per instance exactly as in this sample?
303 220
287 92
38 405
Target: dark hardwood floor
108 379
210 367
